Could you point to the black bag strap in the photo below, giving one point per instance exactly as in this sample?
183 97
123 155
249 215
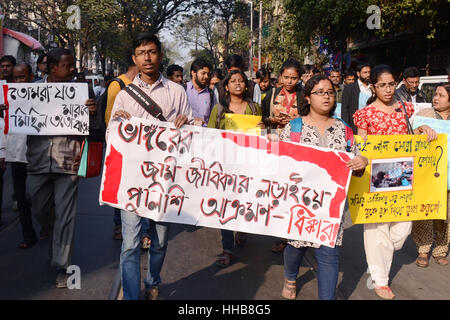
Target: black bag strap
145 101
410 129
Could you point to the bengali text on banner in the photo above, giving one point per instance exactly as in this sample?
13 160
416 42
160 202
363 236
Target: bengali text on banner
226 180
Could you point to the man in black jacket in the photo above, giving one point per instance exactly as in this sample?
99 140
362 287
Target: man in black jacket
409 90
355 95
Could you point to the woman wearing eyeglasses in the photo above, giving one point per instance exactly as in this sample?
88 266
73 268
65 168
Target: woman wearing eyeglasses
319 128
384 115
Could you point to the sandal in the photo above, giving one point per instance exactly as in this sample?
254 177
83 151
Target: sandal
441 260
384 292
145 242
279 246
240 238
422 261
224 260
27 244
289 289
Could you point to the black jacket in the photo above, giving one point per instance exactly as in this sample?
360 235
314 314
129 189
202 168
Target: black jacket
403 94
350 103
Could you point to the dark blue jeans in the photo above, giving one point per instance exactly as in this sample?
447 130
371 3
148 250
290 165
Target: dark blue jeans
328 267
227 240
19 174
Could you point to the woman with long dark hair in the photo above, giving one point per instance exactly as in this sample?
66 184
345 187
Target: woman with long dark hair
384 115
319 128
235 100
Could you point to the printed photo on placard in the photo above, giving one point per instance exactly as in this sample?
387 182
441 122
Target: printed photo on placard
391 174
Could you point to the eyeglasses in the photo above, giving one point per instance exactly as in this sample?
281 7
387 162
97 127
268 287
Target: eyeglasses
385 85
322 93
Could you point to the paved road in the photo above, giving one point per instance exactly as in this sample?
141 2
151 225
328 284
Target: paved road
189 272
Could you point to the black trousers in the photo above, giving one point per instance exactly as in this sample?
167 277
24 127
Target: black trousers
19 174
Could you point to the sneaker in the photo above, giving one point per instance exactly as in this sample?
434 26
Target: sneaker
152 293
61 278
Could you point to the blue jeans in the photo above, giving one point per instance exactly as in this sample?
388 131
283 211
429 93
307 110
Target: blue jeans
328 267
116 218
130 255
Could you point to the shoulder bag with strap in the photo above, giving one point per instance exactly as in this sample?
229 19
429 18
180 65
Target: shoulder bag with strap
296 132
145 101
410 129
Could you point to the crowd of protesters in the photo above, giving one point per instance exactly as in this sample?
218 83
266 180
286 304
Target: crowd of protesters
45 179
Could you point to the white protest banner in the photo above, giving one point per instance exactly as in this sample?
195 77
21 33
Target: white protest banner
226 180
47 108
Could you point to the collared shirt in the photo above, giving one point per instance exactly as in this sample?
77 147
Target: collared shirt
16 148
364 89
200 102
170 97
364 94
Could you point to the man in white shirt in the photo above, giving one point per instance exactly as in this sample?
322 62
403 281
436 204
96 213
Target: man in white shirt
16 149
173 101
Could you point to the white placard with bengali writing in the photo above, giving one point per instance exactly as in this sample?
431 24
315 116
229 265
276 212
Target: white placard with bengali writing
47 108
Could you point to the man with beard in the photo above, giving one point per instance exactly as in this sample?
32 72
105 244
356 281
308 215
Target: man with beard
355 95
200 96
335 78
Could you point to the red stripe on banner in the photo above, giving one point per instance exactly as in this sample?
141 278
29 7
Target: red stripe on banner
335 204
113 176
5 98
325 159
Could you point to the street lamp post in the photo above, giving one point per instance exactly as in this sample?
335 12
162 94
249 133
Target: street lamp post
260 34
250 62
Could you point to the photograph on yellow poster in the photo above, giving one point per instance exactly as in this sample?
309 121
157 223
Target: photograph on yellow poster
406 180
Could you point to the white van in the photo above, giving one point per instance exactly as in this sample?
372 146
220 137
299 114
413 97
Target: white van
428 84
92 79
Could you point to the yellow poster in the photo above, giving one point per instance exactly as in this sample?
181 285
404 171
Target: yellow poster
243 123
405 180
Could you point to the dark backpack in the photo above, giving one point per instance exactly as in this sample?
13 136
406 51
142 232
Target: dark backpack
102 100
